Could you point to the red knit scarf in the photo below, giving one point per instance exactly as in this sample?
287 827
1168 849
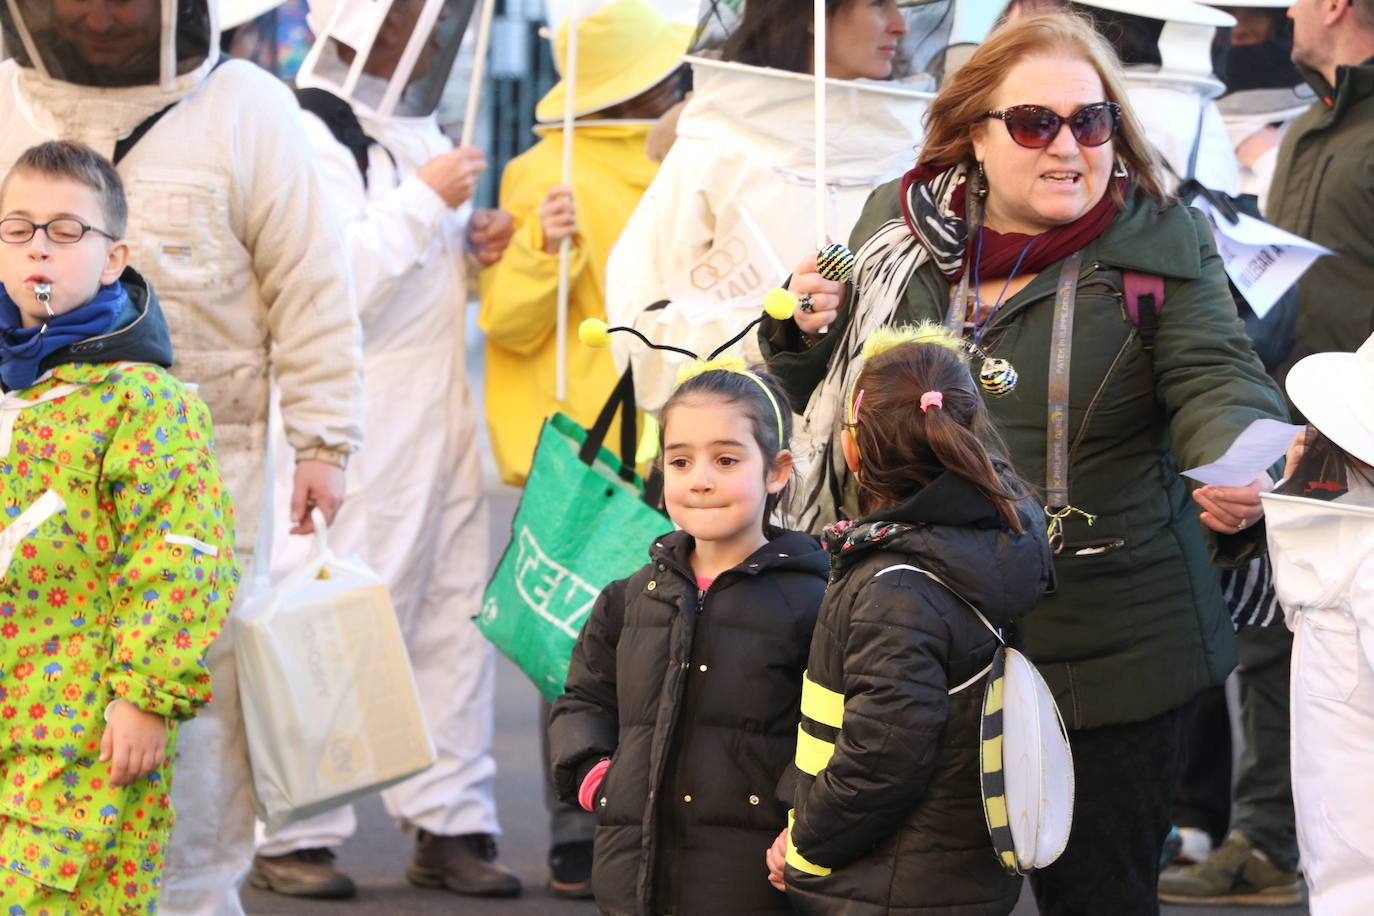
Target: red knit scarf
1000 250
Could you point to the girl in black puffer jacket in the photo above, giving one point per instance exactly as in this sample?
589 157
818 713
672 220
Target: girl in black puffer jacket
889 816
680 712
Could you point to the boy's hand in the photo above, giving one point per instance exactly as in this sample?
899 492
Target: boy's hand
134 743
776 857
557 217
489 232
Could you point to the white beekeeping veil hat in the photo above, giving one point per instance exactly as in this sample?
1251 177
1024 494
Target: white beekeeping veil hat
385 57
111 43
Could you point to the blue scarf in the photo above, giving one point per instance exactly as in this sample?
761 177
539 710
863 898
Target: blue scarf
23 349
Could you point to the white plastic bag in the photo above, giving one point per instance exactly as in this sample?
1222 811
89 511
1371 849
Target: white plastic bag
329 701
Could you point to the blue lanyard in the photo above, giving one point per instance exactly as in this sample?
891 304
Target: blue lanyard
980 326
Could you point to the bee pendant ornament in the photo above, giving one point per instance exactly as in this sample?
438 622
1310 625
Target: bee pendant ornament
835 262
998 377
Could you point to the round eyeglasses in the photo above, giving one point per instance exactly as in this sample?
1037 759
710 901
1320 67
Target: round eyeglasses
65 230
1035 126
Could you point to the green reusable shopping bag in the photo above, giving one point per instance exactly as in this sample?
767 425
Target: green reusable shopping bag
582 523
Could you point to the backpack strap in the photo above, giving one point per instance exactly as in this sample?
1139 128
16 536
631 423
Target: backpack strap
342 122
991 731
1144 302
122 147
995 632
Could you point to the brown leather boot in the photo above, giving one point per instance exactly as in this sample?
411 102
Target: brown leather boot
463 864
302 873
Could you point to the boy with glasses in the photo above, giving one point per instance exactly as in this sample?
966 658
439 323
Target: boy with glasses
117 564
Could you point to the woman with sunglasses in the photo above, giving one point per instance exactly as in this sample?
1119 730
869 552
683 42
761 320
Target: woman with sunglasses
1034 224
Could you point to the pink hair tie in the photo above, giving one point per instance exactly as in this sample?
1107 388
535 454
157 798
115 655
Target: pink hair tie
930 398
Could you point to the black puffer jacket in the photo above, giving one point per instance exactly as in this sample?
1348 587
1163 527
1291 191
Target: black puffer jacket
894 806
695 697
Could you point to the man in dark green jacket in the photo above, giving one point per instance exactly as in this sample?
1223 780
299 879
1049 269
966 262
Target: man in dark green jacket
1324 184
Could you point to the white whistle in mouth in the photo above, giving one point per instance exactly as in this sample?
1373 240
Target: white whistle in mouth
43 292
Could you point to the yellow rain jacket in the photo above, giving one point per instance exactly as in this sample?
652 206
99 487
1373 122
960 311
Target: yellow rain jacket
520 292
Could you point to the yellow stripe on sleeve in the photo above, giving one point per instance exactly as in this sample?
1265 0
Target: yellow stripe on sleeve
812 753
795 859
821 704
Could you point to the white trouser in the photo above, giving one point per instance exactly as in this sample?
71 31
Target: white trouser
436 586
212 842
1333 759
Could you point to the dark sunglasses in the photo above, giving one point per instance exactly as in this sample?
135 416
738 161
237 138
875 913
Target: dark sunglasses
1035 126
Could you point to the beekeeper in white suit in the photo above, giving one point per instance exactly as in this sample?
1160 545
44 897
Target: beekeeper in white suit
734 199
229 221
416 511
1320 524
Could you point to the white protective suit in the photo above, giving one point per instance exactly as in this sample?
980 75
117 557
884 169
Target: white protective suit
746 139
416 512
228 220
1323 554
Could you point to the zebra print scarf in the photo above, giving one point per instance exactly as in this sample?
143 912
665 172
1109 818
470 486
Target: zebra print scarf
884 265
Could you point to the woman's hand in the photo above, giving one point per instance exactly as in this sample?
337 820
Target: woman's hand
776 857
134 743
1227 510
557 217
826 297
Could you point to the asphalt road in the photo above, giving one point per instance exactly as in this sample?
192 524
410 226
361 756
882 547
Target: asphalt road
377 855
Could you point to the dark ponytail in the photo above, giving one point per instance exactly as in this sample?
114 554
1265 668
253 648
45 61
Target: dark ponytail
902 448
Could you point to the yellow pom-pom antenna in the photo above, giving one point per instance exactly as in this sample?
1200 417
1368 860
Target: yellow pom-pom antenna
779 303
926 332
594 333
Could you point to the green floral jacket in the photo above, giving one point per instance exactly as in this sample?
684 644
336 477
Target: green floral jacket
118 570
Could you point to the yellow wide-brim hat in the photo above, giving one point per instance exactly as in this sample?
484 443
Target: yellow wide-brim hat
623 49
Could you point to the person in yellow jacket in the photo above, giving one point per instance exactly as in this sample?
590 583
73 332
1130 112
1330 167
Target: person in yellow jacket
628 74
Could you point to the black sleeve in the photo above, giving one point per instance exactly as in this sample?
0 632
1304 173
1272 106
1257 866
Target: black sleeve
797 368
584 725
896 690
